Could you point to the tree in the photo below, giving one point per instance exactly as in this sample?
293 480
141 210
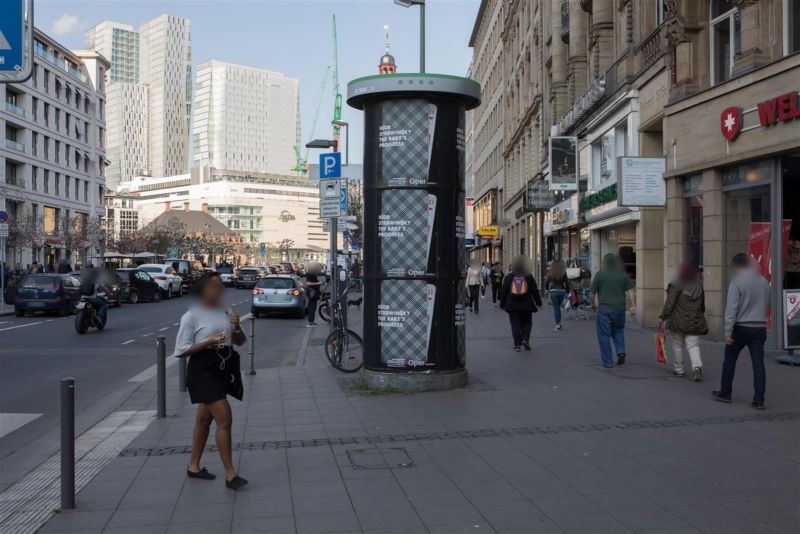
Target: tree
284 246
24 231
355 207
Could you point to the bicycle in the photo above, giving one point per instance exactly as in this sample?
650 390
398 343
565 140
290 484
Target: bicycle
324 309
344 348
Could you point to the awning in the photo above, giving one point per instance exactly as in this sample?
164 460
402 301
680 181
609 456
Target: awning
632 216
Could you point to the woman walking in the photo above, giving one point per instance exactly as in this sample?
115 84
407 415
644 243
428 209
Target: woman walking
684 313
205 336
314 285
473 287
519 296
558 287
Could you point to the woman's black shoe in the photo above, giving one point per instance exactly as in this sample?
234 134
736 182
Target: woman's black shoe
526 345
203 474
236 483
721 397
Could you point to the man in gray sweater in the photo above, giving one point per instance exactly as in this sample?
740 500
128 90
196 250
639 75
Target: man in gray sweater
745 326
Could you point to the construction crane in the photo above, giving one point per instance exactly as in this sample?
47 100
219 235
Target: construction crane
337 96
301 165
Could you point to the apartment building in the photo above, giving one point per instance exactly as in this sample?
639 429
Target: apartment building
486 135
52 158
732 145
245 118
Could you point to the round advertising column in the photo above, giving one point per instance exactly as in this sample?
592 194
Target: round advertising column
414 249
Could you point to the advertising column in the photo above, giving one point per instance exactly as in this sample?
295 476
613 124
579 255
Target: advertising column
414 250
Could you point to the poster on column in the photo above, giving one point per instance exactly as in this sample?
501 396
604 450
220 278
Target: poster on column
759 247
791 317
405 142
405 318
405 232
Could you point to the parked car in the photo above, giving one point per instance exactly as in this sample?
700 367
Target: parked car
275 269
283 292
114 296
164 275
226 274
189 270
246 277
136 285
288 268
47 293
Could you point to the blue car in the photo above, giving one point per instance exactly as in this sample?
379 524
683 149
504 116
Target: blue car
47 293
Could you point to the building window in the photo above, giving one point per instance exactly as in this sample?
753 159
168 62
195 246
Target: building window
661 12
50 221
725 39
693 195
791 26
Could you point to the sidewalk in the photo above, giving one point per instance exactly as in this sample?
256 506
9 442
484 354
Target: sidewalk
539 442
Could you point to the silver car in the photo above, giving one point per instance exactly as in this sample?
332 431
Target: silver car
280 293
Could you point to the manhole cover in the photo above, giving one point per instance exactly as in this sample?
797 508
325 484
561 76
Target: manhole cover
380 458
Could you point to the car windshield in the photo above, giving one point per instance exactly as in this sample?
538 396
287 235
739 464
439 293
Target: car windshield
41 282
151 269
276 283
248 271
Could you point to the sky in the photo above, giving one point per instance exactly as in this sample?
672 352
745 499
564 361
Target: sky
292 37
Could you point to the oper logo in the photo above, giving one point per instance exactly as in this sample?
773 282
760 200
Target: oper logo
730 122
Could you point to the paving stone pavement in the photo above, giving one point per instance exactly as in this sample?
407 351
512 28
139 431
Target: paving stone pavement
539 442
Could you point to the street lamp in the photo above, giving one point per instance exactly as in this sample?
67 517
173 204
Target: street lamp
323 143
421 4
345 125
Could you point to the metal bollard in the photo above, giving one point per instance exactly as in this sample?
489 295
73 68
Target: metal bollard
252 351
161 375
67 443
182 378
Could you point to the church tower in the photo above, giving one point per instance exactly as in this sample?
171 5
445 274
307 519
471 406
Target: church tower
387 64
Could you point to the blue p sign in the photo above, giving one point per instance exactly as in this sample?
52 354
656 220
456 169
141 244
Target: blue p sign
330 165
12 35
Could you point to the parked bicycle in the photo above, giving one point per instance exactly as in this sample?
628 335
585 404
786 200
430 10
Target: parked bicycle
344 348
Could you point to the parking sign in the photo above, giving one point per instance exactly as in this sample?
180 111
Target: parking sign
330 165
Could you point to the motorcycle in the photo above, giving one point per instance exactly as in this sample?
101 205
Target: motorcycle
87 316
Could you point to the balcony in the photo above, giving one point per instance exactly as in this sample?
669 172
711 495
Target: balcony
54 60
16 110
13 145
652 48
565 22
15 181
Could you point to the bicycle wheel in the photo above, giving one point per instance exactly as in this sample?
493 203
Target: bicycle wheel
346 353
324 311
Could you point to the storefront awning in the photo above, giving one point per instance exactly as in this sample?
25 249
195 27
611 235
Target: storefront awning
632 216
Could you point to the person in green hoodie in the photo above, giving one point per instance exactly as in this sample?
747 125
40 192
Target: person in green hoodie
684 314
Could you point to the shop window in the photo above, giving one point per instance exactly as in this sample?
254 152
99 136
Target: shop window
747 225
725 39
791 219
693 194
791 26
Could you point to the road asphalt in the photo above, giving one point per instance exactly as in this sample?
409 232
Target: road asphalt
108 367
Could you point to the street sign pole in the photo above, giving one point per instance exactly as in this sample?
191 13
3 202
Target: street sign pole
16 52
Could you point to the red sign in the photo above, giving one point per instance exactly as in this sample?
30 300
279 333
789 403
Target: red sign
730 122
759 248
779 109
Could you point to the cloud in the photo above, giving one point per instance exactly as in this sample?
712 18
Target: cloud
67 24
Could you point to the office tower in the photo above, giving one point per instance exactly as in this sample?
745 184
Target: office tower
245 118
118 43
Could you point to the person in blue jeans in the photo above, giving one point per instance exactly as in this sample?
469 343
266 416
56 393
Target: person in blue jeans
609 288
746 312
558 287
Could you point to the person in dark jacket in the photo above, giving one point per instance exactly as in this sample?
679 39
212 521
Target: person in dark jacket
684 313
496 278
519 296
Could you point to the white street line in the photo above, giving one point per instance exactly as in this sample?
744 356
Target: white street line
150 372
9 422
20 326
148 334
129 341
162 329
175 324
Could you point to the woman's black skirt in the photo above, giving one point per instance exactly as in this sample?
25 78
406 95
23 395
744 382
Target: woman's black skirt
212 374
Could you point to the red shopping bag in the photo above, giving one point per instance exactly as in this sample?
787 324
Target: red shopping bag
661 344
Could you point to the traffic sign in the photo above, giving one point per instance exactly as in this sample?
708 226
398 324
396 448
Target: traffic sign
330 165
3 216
12 36
3 229
354 244
262 249
343 198
330 199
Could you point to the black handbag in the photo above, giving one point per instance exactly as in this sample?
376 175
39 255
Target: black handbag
233 384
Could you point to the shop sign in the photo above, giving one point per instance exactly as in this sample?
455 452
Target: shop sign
604 196
564 163
783 108
504 223
538 197
565 213
642 181
791 318
490 230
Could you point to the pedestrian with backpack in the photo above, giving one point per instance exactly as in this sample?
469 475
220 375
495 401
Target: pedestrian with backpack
519 297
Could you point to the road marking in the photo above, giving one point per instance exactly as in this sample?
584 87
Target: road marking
148 334
30 502
175 324
9 422
162 329
129 341
20 326
150 372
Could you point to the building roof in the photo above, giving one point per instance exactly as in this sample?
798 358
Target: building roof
478 19
194 222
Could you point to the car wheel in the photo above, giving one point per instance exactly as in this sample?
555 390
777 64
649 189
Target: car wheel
157 295
168 294
133 297
19 313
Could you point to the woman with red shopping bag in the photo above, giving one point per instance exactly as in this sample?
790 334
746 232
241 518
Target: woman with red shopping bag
684 316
